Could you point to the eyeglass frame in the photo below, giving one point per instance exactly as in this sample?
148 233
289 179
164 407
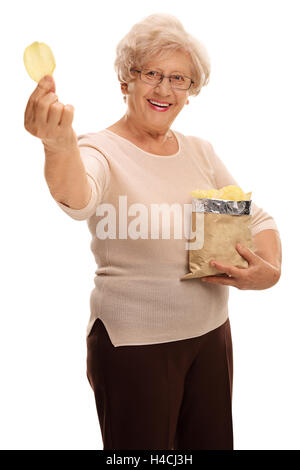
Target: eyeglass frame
162 77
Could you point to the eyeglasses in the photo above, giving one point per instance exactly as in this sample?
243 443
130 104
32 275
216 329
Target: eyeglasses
153 78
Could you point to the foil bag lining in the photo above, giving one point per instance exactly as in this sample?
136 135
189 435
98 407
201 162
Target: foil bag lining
221 206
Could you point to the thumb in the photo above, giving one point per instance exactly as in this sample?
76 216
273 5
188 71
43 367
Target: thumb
246 253
47 82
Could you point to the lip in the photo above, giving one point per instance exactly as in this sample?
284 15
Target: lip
156 108
159 101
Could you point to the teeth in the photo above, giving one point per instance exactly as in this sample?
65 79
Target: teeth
159 104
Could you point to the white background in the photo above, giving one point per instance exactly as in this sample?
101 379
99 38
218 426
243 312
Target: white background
250 113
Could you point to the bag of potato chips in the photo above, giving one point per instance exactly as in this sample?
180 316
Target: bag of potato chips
220 219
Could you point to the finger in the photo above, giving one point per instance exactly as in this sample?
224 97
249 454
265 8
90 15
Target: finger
54 114
231 271
28 114
67 116
45 85
246 253
41 115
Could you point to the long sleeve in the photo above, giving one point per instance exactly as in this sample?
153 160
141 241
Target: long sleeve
261 220
98 173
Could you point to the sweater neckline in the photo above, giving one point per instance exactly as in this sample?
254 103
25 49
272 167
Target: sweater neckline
148 153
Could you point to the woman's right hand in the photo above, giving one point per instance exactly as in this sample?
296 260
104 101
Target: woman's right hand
48 119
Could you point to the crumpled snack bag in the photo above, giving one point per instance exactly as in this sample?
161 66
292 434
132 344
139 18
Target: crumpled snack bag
221 218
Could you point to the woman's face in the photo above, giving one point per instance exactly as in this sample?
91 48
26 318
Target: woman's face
140 112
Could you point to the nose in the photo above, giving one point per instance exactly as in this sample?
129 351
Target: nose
164 85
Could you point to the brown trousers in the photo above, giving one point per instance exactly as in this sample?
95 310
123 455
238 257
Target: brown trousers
166 396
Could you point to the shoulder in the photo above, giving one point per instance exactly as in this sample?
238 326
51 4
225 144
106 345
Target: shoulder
100 141
198 146
92 138
196 142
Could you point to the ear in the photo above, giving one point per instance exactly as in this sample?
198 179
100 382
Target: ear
124 88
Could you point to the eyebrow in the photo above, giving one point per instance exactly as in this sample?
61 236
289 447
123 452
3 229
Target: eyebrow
158 69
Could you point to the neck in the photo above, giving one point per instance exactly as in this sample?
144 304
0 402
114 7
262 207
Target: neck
144 134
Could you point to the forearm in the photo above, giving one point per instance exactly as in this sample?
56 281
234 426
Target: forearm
268 247
66 177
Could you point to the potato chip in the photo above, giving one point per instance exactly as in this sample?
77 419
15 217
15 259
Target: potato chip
39 60
230 192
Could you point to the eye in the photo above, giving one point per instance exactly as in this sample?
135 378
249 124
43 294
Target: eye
152 73
178 78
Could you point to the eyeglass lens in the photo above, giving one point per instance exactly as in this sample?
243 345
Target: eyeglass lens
177 80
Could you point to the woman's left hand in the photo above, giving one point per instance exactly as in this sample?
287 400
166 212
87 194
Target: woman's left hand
259 275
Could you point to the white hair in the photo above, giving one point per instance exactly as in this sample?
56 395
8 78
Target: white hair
161 34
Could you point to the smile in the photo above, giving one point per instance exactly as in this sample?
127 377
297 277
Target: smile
161 108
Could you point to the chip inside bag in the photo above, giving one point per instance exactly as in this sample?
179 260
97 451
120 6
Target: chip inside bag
221 218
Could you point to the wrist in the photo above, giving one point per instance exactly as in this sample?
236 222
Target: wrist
62 144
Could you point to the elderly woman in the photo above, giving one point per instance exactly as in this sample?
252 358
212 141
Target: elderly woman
159 350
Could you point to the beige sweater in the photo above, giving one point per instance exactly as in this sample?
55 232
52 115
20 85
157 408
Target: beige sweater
138 293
